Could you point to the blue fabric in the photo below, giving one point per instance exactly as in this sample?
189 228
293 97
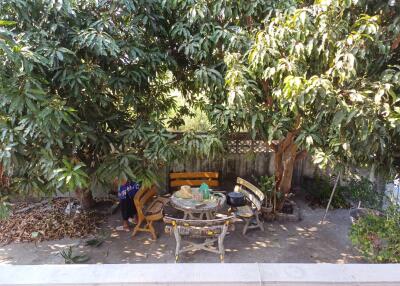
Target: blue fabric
129 189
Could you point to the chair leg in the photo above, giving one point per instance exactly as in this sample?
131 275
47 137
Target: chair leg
259 223
152 230
246 225
221 247
137 227
178 243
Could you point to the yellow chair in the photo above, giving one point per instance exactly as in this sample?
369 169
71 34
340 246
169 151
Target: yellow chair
149 207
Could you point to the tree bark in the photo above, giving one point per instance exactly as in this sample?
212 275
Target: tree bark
285 157
4 179
85 198
395 43
268 98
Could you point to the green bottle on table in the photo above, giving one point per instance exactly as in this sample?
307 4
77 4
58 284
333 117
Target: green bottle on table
205 191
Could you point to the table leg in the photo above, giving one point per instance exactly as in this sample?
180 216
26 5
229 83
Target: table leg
204 215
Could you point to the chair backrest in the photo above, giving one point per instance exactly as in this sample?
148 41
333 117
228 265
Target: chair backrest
251 192
198 228
194 179
142 197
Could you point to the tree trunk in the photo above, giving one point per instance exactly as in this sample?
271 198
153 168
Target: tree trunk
285 157
396 43
85 198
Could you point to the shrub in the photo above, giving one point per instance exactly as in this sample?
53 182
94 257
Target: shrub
4 210
378 237
318 192
267 186
362 190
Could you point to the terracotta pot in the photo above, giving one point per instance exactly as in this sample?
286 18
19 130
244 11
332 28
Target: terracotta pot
267 209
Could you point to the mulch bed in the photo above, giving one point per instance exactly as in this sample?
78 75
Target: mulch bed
46 221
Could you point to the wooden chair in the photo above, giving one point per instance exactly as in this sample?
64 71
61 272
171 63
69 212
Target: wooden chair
149 208
211 230
194 179
252 211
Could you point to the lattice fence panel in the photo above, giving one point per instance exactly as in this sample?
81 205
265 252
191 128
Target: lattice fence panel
241 146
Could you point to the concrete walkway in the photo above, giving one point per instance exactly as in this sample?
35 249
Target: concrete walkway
201 274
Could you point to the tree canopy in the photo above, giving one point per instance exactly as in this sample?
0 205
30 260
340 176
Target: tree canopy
85 89
86 86
323 78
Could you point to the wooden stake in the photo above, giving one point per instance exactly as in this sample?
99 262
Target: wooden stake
330 199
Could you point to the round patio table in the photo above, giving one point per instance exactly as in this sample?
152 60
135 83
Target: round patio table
193 209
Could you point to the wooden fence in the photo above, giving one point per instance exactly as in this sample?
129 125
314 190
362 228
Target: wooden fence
245 158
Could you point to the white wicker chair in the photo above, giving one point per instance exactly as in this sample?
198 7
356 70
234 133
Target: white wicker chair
211 230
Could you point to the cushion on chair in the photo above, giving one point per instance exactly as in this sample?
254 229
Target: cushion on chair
244 211
163 200
154 208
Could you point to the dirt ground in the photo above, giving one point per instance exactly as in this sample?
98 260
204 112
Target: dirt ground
305 241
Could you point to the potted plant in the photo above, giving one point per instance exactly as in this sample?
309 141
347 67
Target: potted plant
267 186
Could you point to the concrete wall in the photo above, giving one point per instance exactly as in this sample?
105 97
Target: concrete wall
201 274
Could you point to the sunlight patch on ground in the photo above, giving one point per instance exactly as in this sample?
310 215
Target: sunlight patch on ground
283 227
5 260
141 254
61 246
115 234
147 242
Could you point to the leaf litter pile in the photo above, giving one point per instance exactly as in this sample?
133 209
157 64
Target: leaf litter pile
47 221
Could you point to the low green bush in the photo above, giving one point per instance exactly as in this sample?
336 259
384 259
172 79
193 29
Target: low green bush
362 190
378 237
318 192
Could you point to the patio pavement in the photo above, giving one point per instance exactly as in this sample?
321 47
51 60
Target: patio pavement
305 241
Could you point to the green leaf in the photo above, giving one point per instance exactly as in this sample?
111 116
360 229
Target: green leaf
7 23
338 118
35 234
